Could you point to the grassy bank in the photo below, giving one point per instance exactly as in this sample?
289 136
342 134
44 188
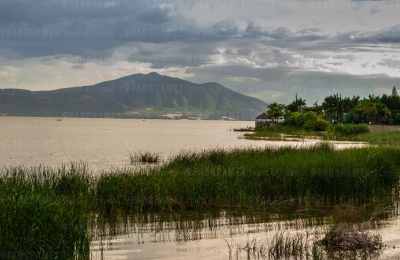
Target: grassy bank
279 131
45 213
379 137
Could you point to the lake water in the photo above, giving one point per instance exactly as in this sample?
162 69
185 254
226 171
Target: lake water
222 237
107 143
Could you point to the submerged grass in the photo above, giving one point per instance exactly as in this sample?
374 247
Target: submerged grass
45 212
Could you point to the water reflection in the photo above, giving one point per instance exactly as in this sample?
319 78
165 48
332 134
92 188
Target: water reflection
229 235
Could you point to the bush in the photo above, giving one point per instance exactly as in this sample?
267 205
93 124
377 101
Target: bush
349 129
308 120
295 119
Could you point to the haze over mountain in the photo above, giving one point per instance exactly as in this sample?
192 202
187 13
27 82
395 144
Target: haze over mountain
140 95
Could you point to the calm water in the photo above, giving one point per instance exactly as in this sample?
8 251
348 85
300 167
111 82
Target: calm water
106 143
222 237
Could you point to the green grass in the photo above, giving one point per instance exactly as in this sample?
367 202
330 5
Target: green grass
275 133
253 179
43 213
46 213
379 138
345 133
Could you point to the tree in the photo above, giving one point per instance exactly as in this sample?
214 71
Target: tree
333 107
372 111
297 105
394 92
275 111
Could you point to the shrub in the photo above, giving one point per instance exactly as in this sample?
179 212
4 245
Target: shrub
295 119
349 129
308 120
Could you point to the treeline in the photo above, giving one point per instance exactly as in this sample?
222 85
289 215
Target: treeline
335 109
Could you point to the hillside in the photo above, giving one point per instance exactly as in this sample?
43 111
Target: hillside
150 95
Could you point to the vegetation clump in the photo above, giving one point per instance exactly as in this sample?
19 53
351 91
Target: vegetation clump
144 157
342 239
348 129
45 213
253 178
337 117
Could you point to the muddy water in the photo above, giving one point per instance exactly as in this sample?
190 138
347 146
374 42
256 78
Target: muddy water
225 237
107 143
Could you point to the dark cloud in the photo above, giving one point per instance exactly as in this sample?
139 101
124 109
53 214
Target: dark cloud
282 84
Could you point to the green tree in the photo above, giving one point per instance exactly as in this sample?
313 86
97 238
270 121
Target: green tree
275 111
297 105
372 111
333 109
394 92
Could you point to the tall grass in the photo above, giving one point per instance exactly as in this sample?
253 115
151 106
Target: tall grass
45 213
341 130
253 179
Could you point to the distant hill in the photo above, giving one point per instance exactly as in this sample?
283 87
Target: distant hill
150 95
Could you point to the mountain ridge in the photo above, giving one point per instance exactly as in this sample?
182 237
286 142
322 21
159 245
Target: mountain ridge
133 96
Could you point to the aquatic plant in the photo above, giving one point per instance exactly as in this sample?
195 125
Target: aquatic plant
254 178
144 157
44 213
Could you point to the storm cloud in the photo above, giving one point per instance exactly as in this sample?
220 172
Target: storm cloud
270 49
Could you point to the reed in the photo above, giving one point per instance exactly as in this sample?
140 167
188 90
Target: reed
45 212
144 157
253 179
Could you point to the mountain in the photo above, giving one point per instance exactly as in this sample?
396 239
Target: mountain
150 95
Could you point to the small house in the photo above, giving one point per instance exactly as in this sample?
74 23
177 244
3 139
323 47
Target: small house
263 120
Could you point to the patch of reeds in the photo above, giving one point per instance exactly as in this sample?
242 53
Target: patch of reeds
44 213
144 157
254 178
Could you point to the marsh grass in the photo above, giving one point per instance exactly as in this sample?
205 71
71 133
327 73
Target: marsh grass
45 213
279 131
380 138
347 132
144 157
254 178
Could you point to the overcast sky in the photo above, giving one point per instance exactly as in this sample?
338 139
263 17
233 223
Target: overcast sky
270 49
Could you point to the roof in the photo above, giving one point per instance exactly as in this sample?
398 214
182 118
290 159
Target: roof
263 116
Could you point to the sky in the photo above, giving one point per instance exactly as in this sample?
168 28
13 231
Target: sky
270 49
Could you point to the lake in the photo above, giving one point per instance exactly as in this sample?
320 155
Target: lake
107 143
